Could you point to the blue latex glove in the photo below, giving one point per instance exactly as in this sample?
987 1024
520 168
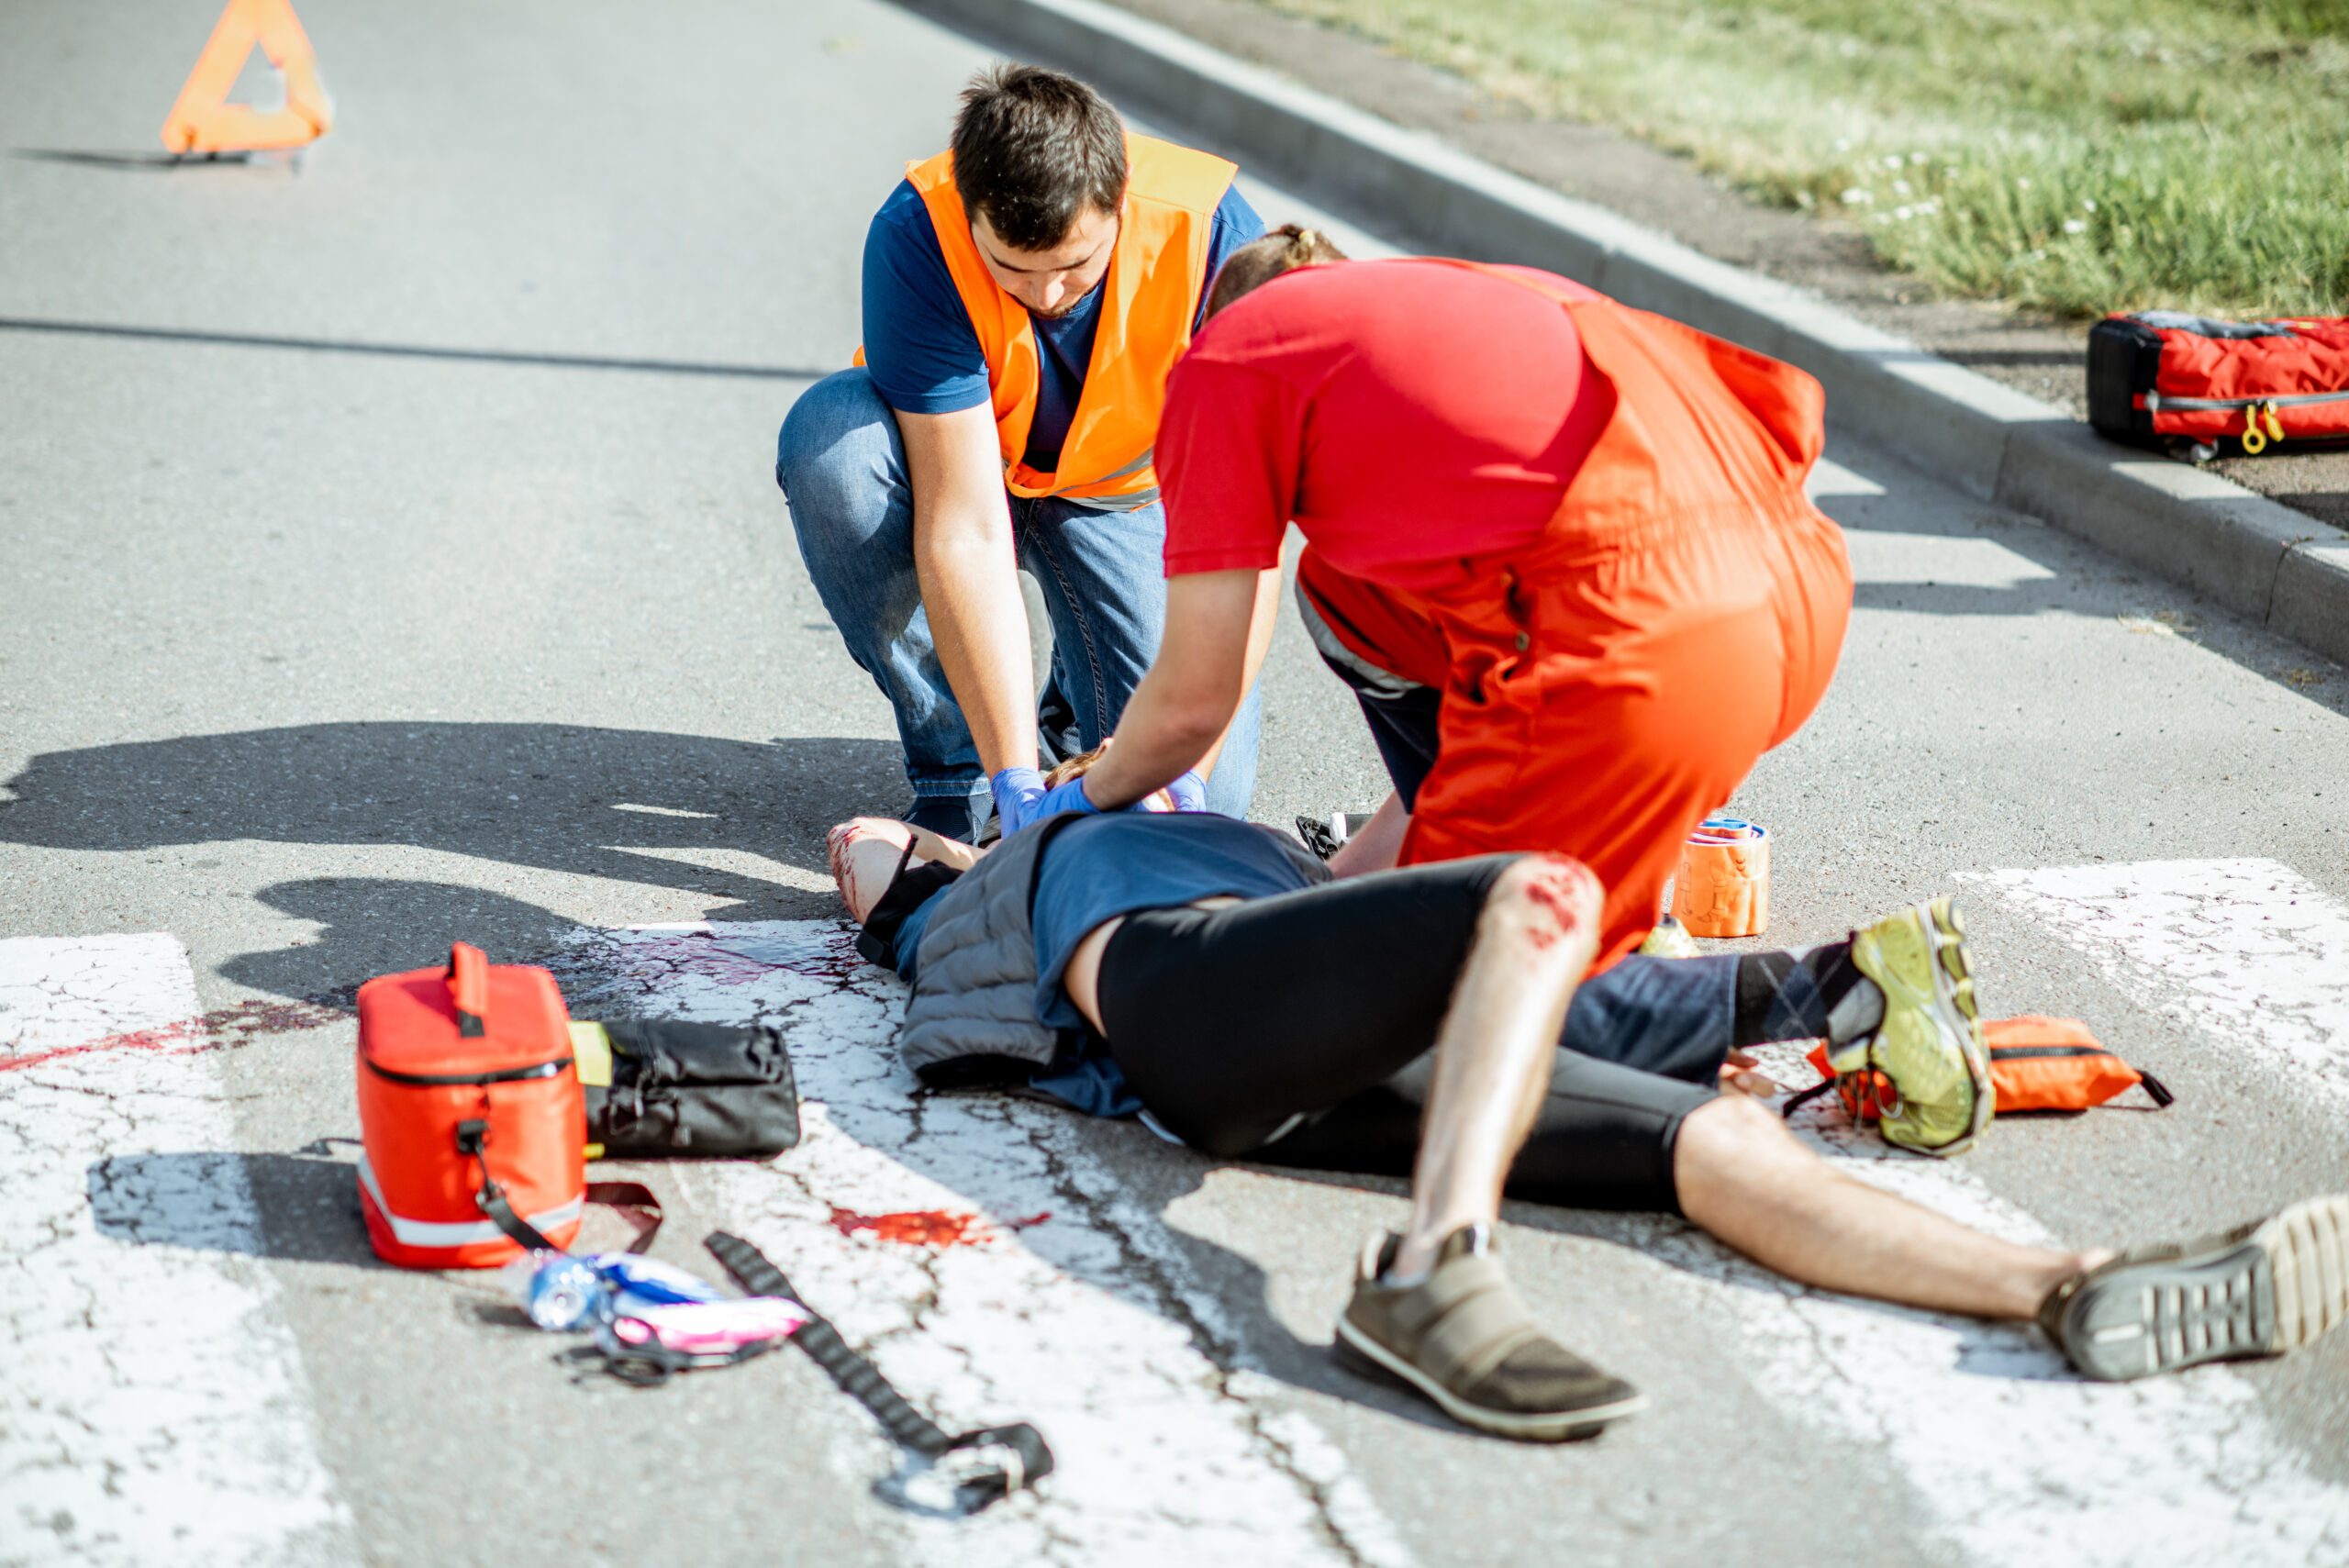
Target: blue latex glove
1070 796
1017 791
1188 792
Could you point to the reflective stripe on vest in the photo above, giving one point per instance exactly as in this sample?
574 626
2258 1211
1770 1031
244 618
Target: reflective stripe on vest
459 1233
1157 273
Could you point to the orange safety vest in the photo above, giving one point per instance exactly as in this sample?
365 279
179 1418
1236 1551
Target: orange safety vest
1157 273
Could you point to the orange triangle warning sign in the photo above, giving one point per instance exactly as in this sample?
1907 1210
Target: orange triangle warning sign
205 121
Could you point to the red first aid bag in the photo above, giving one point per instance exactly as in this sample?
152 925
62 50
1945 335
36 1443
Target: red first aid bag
2160 378
471 1112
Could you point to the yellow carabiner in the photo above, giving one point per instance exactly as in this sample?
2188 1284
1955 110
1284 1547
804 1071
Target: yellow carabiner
2253 442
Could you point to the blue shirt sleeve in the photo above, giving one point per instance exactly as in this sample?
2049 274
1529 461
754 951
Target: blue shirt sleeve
1236 224
919 341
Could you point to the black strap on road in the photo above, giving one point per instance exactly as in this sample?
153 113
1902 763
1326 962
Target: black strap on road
1796 1104
861 1381
632 1198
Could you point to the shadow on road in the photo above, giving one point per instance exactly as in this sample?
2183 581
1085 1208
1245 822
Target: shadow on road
562 797
308 1209
661 810
546 361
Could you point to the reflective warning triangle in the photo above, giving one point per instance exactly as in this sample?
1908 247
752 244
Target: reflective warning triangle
202 120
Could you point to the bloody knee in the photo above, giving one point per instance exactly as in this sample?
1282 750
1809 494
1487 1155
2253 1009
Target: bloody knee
1546 900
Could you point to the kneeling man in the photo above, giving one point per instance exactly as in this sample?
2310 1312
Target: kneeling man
1026 293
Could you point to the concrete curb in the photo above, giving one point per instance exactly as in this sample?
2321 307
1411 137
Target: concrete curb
2264 560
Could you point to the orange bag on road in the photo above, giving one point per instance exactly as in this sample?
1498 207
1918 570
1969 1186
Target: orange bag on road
2036 1065
2054 1064
471 1112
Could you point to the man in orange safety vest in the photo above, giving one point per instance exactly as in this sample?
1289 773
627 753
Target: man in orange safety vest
1026 293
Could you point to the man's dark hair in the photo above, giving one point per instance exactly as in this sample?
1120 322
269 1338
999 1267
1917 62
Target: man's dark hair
1032 149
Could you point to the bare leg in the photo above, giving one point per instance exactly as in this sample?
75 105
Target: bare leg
1744 1177
864 852
1536 936
1379 844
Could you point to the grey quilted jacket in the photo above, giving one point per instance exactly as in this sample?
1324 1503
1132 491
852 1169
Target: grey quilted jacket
972 1018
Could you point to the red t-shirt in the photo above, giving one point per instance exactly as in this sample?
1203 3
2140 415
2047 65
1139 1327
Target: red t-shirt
1405 413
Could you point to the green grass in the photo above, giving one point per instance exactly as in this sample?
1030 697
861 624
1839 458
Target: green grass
2071 156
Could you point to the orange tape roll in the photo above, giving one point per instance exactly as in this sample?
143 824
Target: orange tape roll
1722 888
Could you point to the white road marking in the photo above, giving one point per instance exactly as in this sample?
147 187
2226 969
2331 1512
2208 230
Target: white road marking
2247 951
152 1405
1088 1323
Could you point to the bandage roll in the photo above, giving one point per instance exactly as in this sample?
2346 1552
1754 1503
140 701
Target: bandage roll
1722 888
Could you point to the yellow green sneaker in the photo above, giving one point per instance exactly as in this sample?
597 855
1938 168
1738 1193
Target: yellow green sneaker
1928 1048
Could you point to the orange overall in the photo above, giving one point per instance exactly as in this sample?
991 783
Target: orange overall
1607 686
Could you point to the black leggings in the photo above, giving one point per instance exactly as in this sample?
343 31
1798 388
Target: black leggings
1232 1023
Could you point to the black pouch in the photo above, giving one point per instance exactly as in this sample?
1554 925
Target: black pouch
686 1091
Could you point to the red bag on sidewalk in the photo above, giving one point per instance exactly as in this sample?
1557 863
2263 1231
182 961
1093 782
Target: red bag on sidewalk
471 1112
2161 378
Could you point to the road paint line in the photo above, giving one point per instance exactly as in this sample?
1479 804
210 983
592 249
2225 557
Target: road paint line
1090 1323
152 1408
2247 951
2014 1457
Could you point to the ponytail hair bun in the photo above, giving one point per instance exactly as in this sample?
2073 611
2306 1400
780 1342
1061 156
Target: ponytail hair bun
1259 261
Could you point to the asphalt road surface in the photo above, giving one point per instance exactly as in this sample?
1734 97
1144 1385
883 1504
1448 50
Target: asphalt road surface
390 554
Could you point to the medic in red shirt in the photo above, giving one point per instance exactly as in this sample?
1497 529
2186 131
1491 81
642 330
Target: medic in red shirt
1577 531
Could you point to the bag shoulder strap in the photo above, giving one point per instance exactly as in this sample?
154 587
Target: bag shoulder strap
473 1139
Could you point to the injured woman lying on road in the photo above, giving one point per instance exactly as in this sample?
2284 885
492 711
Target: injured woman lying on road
1438 1022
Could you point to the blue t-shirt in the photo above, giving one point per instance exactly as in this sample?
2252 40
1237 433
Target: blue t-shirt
924 353
1120 863
908 939
1096 869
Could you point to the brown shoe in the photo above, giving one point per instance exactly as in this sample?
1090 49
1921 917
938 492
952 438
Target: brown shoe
2257 1290
1463 1338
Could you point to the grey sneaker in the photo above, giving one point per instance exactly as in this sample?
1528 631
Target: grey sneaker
2259 1290
1463 1338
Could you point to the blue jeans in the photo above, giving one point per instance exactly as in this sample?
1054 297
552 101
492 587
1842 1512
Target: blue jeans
1671 1016
842 467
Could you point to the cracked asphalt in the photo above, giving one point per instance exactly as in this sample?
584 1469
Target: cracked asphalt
317 657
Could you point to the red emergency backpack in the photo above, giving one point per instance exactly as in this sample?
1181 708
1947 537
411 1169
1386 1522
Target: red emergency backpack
471 1112
2163 379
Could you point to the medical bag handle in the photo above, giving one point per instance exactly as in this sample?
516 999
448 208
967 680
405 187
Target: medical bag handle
469 988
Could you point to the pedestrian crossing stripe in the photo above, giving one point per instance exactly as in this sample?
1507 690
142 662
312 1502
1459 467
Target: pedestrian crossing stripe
153 1407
